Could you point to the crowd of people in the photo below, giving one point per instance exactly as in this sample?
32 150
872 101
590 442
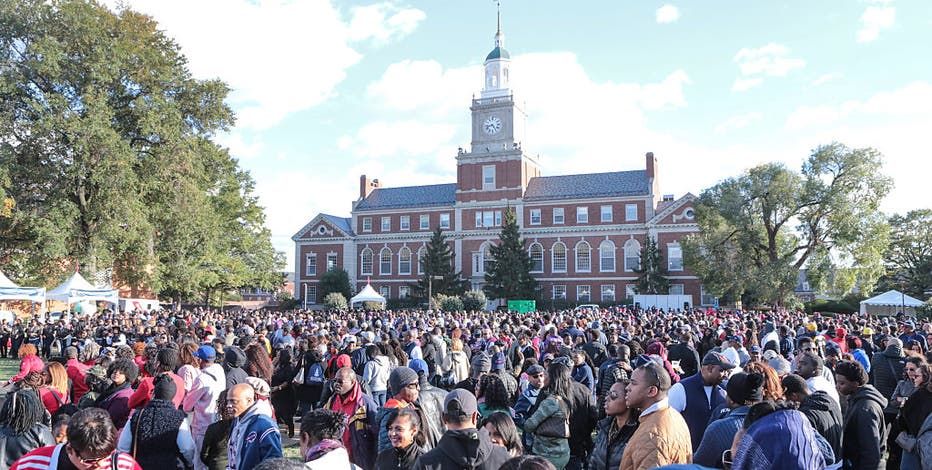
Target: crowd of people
380 390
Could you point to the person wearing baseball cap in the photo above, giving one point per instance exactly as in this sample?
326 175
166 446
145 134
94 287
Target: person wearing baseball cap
697 395
202 399
462 445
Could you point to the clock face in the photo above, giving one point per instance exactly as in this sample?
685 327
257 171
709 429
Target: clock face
492 125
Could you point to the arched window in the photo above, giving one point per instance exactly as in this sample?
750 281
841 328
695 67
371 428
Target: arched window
607 256
365 262
558 254
385 261
632 255
583 257
487 259
404 260
536 252
420 259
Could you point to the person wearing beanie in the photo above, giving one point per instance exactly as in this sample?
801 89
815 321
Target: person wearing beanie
823 412
404 385
697 395
167 361
742 391
158 435
234 359
360 409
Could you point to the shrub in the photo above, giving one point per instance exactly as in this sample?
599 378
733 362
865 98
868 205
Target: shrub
335 301
475 300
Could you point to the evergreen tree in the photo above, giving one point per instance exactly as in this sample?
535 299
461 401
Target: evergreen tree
652 274
509 276
438 277
335 280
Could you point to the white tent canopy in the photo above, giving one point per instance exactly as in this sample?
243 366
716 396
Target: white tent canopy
10 291
890 303
367 294
77 289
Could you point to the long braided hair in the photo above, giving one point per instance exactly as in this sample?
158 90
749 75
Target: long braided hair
22 410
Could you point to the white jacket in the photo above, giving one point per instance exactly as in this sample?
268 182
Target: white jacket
202 399
376 373
336 459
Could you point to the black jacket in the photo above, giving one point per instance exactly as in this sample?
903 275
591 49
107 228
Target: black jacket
864 440
464 449
430 401
687 355
886 370
825 416
18 445
233 361
398 459
583 418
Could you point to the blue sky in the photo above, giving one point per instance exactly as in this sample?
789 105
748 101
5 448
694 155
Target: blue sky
328 90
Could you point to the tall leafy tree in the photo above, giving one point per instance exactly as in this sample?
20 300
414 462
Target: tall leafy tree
439 275
652 274
336 280
509 276
109 154
908 258
758 229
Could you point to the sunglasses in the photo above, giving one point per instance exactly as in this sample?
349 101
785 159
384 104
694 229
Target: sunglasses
86 461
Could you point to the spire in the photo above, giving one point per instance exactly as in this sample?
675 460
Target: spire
499 36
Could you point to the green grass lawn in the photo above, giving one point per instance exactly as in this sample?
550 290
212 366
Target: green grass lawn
8 368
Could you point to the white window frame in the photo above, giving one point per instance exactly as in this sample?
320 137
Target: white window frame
632 250
386 224
404 292
445 220
404 267
677 289
367 224
310 264
705 299
554 264
488 177
630 290
405 222
631 212
486 254
383 263
559 216
385 291
607 288
559 292
362 262
584 293
424 222
582 215
607 245
535 217
332 261
605 213
420 254
530 252
311 294
586 265
671 249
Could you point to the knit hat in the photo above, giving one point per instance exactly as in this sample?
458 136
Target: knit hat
164 388
498 361
481 363
745 387
400 378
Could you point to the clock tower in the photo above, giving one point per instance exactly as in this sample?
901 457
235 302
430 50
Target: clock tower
495 167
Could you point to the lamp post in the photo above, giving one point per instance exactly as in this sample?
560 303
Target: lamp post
430 288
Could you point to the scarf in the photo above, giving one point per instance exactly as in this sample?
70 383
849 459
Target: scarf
347 406
321 449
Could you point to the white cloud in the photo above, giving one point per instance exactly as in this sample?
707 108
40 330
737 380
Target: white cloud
667 14
825 78
873 20
738 122
383 22
742 84
262 49
912 102
407 138
805 117
239 146
770 60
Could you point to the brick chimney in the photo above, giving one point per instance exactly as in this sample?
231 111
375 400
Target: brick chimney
366 186
653 180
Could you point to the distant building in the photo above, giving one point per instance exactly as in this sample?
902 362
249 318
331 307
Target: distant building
584 232
267 297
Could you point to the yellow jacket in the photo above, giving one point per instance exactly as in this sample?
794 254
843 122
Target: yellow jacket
662 438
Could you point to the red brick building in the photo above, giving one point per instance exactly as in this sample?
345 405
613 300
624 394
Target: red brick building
584 232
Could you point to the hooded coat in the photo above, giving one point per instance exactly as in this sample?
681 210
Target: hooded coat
234 359
864 440
825 417
464 448
782 439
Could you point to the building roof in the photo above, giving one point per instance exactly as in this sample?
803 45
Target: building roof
410 196
619 183
498 53
342 223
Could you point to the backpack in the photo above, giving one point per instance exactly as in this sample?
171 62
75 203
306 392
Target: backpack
924 443
315 375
